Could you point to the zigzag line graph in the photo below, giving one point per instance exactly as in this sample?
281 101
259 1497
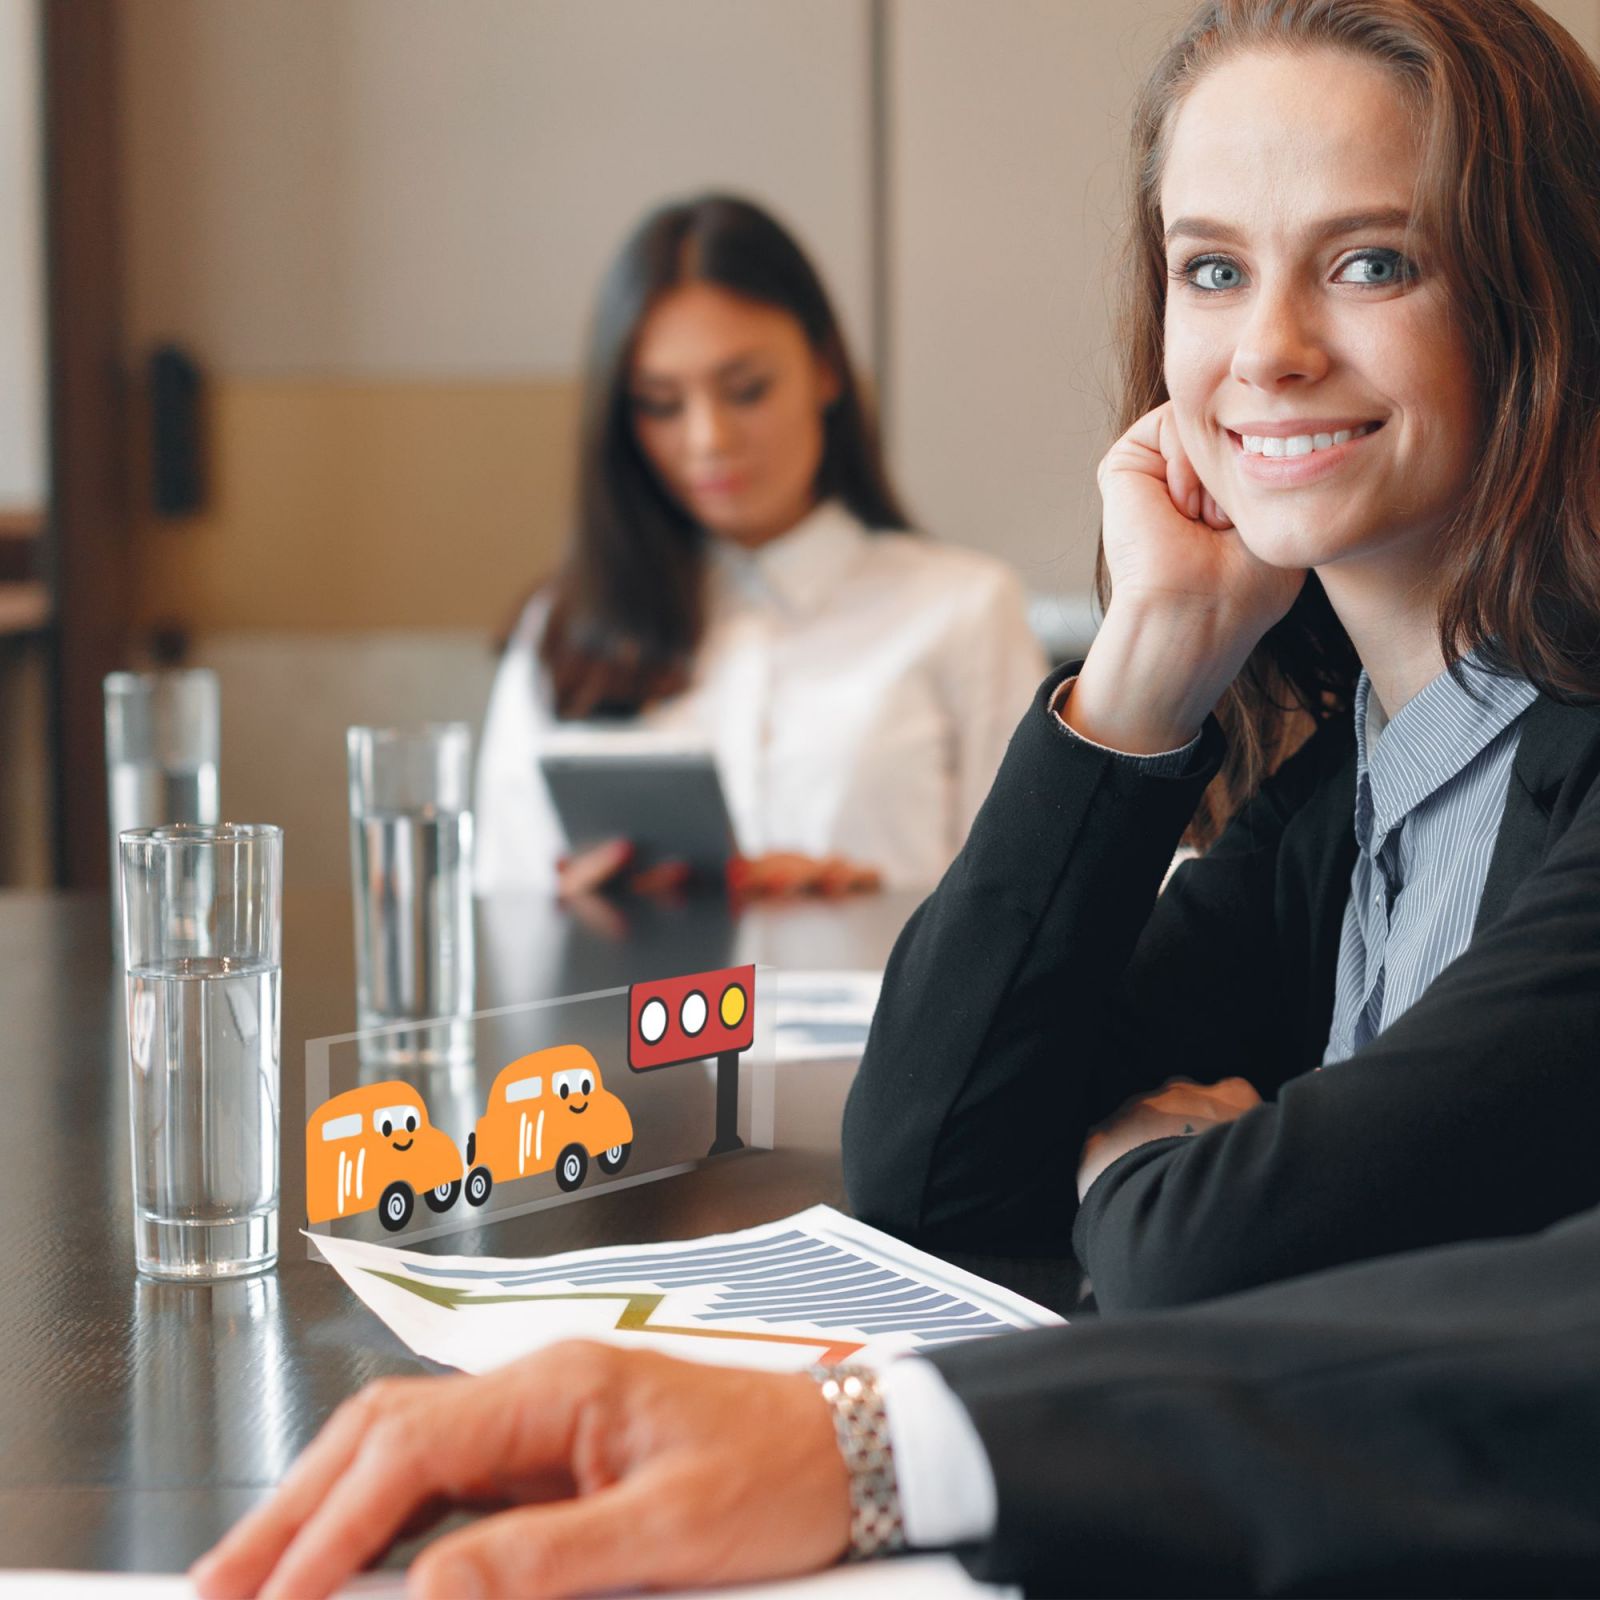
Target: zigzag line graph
789 1277
637 1310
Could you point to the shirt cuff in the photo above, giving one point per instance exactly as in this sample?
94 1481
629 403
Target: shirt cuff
947 1489
1162 764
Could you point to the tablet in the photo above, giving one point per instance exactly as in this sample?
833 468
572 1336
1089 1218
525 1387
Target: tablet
660 793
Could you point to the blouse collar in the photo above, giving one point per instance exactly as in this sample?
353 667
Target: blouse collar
801 568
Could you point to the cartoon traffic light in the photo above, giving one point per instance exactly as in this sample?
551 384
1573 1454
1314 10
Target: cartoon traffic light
675 1020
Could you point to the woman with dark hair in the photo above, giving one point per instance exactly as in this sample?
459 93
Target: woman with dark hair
742 574
1355 506
1357 501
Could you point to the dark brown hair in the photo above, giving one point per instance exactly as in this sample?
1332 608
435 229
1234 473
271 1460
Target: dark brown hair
627 607
1509 109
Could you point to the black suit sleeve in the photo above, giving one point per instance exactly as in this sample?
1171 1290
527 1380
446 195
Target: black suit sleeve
1043 982
1472 1116
1426 1424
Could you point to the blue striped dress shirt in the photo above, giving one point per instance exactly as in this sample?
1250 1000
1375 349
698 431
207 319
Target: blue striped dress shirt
1430 790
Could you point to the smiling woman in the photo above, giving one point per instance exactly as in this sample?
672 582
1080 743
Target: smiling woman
1355 507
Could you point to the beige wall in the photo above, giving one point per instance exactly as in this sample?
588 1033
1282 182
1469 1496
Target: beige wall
1010 123
362 503
424 188
1581 18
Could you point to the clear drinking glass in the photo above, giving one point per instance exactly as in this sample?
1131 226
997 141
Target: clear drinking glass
203 927
163 738
411 874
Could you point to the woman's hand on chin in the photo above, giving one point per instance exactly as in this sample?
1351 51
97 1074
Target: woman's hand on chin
1171 547
782 873
1188 602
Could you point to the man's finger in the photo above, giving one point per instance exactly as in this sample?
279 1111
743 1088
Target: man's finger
249 1551
462 1439
372 1500
609 1540
390 1450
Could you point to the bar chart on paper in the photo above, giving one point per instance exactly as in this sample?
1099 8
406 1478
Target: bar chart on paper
817 1286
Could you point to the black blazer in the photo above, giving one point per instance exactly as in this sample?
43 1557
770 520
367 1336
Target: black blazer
1044 982
1427 1424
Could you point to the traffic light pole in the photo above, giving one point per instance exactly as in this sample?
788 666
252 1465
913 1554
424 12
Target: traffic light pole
727 1105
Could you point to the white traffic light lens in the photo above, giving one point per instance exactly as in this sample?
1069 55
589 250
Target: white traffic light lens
693 1014
653 1021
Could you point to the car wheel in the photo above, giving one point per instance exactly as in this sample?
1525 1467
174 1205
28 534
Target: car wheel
394 1209
479 1183
443 1197
571 1166
614 1159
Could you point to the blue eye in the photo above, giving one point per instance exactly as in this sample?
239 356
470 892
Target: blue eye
1212 274
1378 268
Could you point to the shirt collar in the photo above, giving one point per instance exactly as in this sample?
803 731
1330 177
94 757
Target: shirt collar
1428 741
801 568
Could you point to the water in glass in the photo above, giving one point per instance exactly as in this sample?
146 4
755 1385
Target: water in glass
203 1041
414 945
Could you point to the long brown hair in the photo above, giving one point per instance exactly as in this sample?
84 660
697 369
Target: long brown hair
627 607
1509 107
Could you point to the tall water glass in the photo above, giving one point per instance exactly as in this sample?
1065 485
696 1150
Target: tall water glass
411 874
203 928
163 738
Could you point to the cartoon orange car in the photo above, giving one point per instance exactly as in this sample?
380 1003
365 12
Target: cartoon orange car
374 1146
548 1109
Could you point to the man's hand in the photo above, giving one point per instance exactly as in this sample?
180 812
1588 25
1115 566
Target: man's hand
1178 1107
622 1469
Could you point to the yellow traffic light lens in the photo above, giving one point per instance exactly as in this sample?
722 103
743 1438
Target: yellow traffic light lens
732 1006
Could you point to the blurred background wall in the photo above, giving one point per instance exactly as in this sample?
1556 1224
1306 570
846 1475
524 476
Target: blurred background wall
25 787
376 225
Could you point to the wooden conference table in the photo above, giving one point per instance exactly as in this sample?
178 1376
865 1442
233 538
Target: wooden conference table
139 1419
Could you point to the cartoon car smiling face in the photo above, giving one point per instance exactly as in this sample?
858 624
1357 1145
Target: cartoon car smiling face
397 1123
573 1088
374 1147
548 1110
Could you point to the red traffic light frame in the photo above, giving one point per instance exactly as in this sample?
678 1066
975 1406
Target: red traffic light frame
676 1020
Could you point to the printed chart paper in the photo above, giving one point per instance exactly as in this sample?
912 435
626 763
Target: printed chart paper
824 1016
817 1286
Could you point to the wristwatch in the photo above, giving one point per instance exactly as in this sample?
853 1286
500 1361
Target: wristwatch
861 1424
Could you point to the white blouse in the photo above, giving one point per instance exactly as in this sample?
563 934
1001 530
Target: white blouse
856 689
